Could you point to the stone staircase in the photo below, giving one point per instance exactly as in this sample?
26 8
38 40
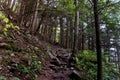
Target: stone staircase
59 63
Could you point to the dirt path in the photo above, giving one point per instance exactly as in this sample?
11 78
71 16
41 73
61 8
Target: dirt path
58 67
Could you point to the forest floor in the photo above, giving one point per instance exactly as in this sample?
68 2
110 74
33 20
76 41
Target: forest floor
57 68
19 50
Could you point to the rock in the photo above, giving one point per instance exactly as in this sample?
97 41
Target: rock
75 75
55 61
12 54
1 38
51 56
3 44
0 67
72 68
54 68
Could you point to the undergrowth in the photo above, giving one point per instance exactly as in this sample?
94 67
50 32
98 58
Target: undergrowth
86 62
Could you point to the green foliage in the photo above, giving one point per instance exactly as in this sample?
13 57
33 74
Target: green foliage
16 78
1 15
36 48
87 62
5 20
8 24
31 67
66 5
2 78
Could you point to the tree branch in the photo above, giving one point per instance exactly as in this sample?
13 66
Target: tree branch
99 10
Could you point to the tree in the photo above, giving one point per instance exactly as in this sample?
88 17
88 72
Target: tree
98 45
76 29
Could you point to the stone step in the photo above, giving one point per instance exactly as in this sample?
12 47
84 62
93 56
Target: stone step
55 61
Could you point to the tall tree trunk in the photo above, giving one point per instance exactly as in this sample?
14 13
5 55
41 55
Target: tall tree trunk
35 16
118 50
22 13
40 22
82 37
76 32
71 33
98 46
68 26
61 31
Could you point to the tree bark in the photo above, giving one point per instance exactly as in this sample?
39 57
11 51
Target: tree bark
98 46
61 31
41 21
35 16
76 32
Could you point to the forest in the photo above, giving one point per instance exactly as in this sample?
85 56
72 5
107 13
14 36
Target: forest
59 39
